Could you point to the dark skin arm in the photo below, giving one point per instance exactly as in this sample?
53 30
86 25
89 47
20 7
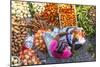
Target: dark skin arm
60 47
63 34
60 35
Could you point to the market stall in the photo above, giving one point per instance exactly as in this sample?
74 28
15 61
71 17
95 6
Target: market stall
34 27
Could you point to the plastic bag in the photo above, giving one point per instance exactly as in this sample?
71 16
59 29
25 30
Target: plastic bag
47 38
29 41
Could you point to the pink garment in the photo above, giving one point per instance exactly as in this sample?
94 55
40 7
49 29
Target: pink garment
66 53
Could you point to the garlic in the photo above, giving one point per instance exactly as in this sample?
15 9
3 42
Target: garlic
20 9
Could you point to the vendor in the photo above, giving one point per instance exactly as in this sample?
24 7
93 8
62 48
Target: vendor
75 37
59 48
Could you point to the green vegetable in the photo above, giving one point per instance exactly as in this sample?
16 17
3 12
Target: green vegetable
31 9
84 20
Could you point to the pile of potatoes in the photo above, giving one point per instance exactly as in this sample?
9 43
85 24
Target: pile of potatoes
18 33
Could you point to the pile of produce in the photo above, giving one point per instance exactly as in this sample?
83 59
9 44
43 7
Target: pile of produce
92 15
50 14
20 9
18 35
30 20
36 8
67 15
84 18
29 57
59 15
39 42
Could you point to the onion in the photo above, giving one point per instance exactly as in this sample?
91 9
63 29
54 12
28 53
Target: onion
27 56
36 35
36 44
26 63
29 61
36 40
29 53
41 41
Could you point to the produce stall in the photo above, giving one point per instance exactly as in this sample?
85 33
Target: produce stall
35 25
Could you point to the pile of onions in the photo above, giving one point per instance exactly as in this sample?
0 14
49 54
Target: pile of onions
39 42
29 57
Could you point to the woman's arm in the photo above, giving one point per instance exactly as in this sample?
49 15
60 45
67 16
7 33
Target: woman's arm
60 35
